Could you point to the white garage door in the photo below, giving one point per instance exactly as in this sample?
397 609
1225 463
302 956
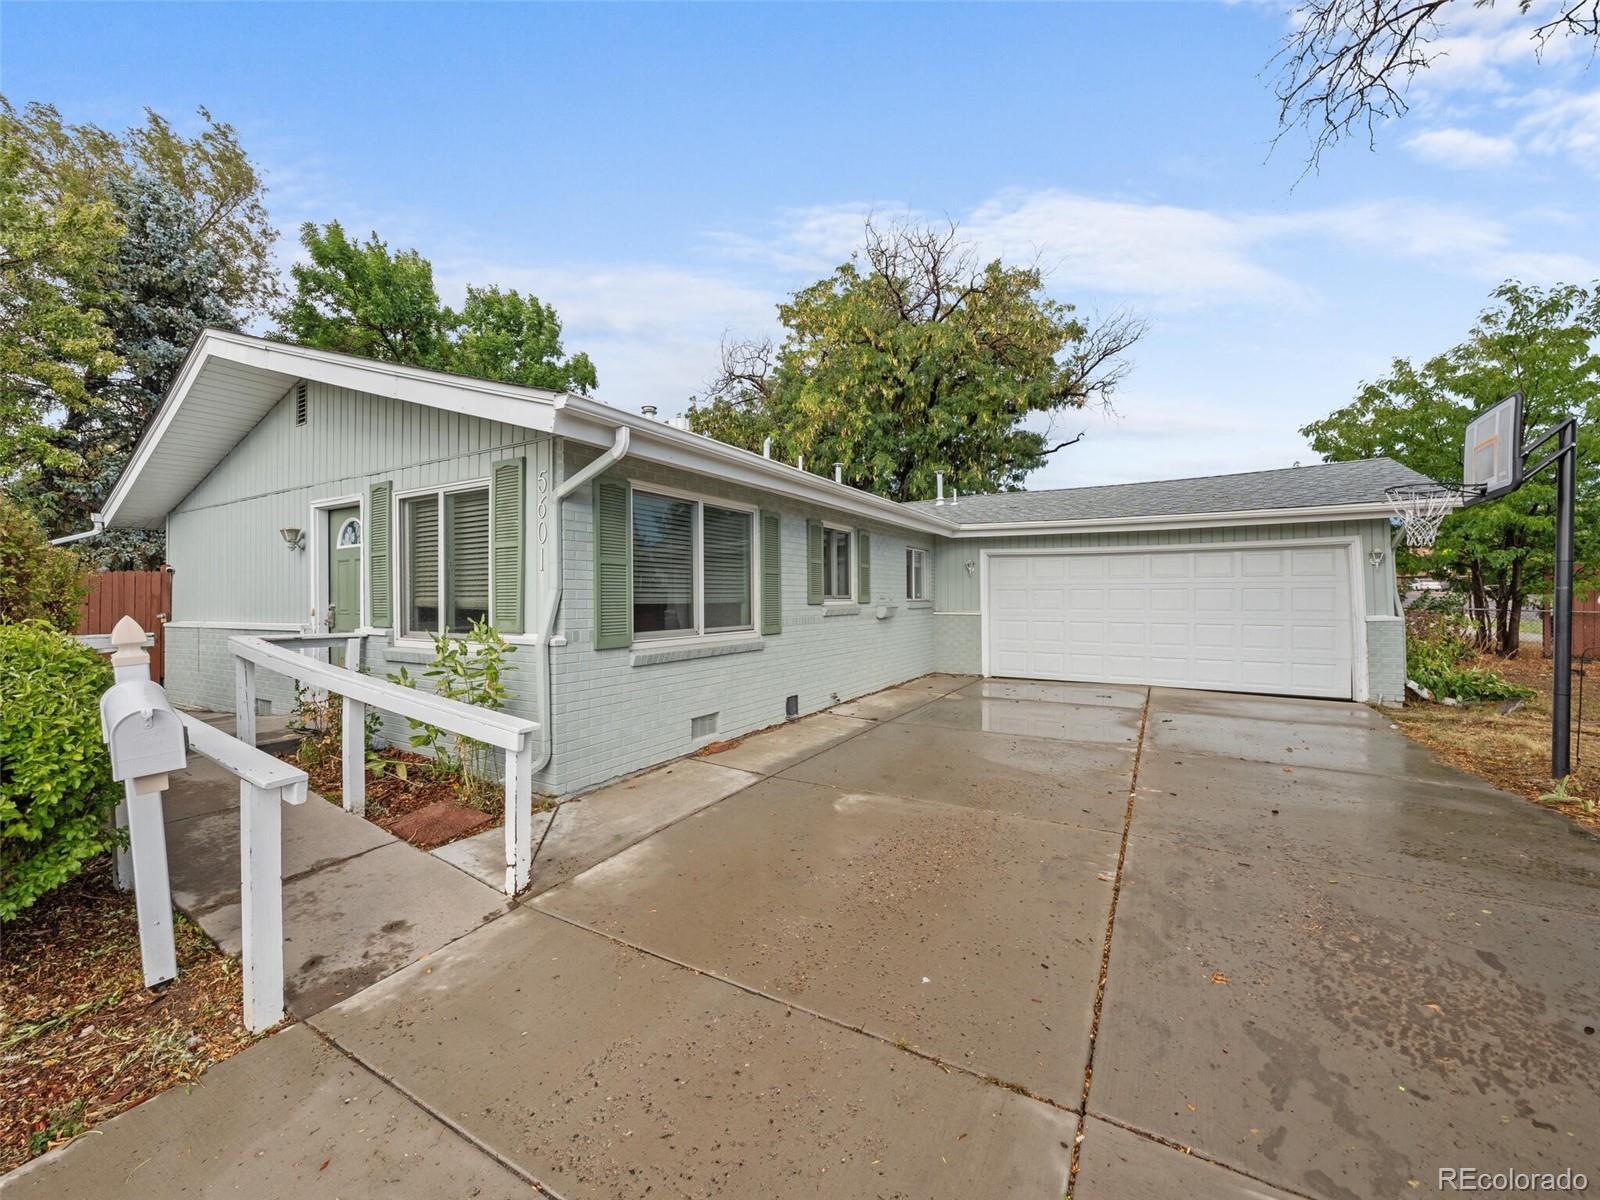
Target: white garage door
1259 620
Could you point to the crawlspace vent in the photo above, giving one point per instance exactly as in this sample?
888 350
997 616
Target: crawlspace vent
703 726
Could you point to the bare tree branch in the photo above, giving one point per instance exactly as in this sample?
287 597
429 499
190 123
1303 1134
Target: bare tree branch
1063 445
1347 65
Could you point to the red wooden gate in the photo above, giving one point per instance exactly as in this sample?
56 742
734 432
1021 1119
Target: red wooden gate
146 596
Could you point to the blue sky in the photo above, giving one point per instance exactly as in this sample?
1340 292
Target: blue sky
665 174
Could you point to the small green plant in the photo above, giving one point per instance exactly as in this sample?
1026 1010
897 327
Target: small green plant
1566 792
56 791
470 669
64 1123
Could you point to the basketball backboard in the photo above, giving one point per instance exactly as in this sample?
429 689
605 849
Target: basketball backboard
1492 461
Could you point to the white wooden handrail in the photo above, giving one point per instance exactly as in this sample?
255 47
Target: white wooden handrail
512 735
265 785
501 730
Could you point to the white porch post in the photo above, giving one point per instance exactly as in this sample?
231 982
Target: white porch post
151 891
261 904
519 815
353 742
244 700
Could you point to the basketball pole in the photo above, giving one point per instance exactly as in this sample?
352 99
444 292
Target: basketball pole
1565 458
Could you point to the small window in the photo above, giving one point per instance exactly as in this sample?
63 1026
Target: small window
836 564
349 534
445 578
693 567
915 566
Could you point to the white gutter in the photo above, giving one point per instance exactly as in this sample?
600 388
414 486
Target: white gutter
99 528
1260 516
552 601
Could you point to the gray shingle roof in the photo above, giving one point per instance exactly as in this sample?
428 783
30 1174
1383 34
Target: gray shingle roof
1321 485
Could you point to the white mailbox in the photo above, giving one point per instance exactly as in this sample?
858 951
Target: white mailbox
142 732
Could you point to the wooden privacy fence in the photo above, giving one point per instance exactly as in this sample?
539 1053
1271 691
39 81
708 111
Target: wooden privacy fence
146 596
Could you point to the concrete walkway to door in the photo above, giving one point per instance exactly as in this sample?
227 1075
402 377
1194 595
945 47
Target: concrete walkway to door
869 963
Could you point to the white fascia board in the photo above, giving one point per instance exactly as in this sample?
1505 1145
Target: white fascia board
527 408
583 420
1260 516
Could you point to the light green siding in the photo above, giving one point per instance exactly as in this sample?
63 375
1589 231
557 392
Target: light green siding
222 540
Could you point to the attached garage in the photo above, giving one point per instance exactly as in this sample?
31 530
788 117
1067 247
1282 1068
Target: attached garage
1271 582
1276 619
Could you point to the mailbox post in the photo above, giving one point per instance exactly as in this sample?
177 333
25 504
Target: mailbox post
145 740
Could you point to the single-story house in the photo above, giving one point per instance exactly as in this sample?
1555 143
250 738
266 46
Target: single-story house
665 590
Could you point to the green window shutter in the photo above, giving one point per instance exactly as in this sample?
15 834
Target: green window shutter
864 566
380 554
506 542
813 562
771 573
613 566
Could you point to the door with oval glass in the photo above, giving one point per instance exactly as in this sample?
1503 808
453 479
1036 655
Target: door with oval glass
344 569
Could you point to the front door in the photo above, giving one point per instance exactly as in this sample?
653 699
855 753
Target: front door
344 569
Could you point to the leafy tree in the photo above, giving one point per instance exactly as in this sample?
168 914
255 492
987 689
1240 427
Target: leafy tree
38 581
361 298
52 266
1541 341
180 240
166 284
503 335
912 358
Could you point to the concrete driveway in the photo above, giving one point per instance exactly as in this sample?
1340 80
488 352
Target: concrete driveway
1330 967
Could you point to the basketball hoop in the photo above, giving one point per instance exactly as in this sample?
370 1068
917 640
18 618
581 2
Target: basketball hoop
1421 509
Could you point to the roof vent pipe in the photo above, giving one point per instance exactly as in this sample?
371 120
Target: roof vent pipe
954 496
766 448
648 410
800 462
939 479
838 472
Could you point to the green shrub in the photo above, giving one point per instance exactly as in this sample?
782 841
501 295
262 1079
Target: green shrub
1437 661
38 581
55 778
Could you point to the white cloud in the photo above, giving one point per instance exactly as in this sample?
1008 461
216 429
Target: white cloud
1564 124
1464 148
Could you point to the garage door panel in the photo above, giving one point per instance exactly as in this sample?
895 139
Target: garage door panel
1253 619
1305 564
1261 564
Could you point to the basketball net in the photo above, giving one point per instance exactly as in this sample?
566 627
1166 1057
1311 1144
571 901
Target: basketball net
1422 508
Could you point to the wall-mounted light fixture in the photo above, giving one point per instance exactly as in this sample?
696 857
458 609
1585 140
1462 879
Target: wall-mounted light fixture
1375 557
971 566
295 539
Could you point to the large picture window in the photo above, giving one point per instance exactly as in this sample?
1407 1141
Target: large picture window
693 566
445 575
836 564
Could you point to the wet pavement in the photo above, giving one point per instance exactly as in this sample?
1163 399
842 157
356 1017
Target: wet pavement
859 954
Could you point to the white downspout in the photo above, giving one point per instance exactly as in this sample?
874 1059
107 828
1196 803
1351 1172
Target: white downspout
552 601
99 528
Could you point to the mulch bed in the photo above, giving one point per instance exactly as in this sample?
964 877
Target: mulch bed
1512 750
419 809
81 1038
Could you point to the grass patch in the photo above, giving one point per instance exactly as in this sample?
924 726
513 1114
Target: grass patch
1512 750
81 1037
